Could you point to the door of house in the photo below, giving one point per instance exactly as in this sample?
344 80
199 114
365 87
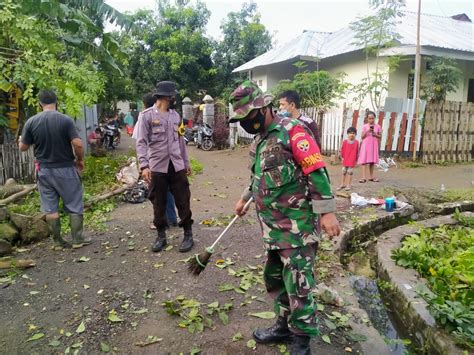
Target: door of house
470 91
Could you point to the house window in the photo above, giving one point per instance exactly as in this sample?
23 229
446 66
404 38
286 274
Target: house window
470 91
260 82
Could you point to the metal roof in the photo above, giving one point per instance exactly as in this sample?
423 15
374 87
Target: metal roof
436 31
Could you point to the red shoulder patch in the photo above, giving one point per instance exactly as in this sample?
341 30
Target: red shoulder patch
305 150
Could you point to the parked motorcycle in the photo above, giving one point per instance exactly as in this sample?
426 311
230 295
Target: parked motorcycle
189 134
111 136
203 137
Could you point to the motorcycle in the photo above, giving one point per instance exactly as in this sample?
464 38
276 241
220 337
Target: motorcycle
189 135
203 137
111 136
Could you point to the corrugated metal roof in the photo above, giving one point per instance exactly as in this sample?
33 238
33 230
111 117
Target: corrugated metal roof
436 31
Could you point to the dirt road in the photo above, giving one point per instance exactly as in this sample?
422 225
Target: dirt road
109 296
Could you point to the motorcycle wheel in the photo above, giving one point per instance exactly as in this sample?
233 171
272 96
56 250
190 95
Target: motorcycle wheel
207 145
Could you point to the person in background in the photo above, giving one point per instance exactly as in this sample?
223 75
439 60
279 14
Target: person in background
349 150
164 163
289 105
171 217
369 148
95 138
59 155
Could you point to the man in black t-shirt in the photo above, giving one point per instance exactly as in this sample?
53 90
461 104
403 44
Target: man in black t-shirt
59 162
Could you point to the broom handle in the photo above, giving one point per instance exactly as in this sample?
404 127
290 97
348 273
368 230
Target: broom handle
231 223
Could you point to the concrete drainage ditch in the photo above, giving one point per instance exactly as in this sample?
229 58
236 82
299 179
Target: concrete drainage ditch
398 319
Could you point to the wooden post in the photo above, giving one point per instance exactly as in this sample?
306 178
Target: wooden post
416 86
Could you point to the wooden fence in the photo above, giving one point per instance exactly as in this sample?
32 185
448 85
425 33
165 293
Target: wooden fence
15 164
448 132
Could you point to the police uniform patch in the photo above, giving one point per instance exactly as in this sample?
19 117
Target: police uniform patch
303 145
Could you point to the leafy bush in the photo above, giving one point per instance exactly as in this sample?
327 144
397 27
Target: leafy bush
445 257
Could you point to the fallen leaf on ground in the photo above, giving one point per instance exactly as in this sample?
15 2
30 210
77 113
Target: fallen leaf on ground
105 348
83 259
113 317
326 338
237 337
158 265
54 343
151 339
169 247
195 350
81 328
34 293
348 350
37 336
263 315
86 287
141 311
252 344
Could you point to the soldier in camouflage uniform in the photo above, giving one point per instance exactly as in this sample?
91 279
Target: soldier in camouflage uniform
293 199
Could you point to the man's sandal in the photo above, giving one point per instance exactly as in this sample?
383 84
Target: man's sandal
362 181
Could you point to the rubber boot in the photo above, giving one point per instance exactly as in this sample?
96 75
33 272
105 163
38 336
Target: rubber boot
277 333
76 221
187 243
55 229
160 241
300 345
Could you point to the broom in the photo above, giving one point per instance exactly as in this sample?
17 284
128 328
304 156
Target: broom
199 262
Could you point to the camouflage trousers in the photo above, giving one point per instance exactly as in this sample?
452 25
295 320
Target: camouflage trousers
289 279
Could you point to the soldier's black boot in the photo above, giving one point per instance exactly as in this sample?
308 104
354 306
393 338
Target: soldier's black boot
300 345
276 333
160 241
187 243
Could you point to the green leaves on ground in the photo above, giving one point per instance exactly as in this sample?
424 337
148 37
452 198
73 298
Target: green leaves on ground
105 348
238 336
113 317
151 339
445 257
36 336
326 338
263 315
192 316
81 328
252 344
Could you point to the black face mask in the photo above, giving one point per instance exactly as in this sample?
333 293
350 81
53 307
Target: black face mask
254 125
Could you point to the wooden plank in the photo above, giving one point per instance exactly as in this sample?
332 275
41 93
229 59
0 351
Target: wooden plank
381 117
391 128
385 125
396 131
403 130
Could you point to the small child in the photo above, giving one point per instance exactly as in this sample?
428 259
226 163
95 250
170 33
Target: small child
349 150
369 148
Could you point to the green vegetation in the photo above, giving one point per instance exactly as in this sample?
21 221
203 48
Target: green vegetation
445 257
98 177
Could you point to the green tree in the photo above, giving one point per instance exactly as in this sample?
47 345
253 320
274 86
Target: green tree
169 44
443 77
244 39
319 89
375 33
56 44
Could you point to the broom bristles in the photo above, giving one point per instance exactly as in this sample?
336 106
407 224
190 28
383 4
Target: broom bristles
199 262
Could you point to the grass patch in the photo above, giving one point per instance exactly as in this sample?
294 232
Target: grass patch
445 258
98 177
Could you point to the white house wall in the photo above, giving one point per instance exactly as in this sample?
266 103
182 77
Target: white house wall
355 67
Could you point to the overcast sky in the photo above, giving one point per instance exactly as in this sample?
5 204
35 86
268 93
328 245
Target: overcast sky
287 19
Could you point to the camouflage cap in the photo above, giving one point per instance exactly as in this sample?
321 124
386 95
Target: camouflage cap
245 98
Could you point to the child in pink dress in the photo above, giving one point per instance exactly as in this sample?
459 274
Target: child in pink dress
349 150
369 148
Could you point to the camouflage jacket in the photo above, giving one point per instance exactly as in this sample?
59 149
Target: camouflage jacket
290 185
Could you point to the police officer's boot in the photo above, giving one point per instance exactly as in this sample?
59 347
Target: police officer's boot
76 221
55 229
160 241
300 345
187 243
276 333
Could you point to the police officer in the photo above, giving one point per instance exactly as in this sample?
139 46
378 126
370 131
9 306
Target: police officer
294 201
164 163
